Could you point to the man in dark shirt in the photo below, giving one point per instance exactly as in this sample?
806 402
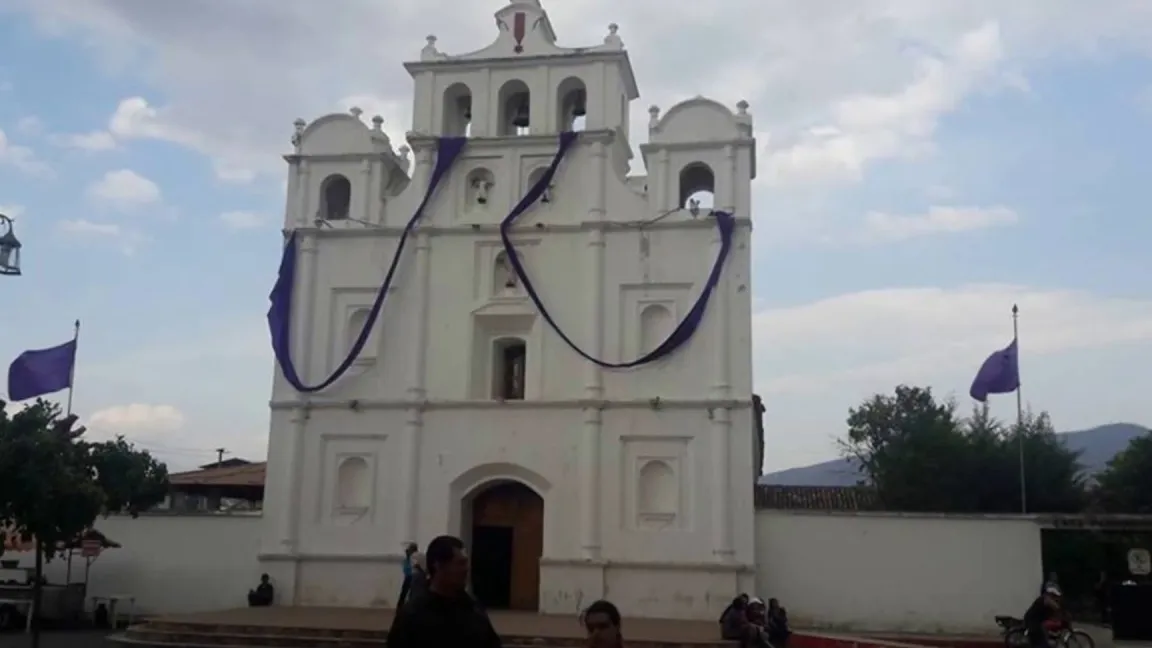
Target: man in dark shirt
1045 608
445 615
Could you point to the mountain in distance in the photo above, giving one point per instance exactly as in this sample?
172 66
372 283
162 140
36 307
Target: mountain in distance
1096 446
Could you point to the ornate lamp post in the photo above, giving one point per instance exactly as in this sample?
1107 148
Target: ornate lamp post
9 248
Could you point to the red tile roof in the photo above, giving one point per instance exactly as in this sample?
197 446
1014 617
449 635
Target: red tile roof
817 498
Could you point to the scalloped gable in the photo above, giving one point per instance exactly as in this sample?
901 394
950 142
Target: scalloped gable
340 134
703 118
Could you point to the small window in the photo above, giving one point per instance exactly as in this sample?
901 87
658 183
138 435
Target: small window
336 197
509 362
697 187
503 277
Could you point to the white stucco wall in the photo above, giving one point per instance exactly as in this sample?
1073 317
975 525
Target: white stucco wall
897 572
617 261
172 563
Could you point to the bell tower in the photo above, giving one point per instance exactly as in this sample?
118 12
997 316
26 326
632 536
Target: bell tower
523 83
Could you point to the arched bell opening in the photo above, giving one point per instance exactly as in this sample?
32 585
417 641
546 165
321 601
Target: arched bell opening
515 108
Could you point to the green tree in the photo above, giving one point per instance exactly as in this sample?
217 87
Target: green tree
1125 486
54 483
919 456
905 442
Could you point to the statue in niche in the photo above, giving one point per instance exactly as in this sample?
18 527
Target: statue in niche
480 189
504 282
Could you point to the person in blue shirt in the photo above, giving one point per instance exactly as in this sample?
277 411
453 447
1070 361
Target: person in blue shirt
406 566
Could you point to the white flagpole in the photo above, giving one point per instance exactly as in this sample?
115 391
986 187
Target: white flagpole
1019 410
72 375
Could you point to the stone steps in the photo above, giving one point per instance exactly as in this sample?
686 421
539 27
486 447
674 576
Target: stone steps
164 634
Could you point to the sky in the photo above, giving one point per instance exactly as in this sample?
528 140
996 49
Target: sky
923 166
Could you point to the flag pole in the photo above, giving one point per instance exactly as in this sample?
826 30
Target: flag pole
72 374
1019 410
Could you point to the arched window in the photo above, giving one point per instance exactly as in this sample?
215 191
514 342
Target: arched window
335 197
509 364
353 484
658 492
572 104
515 103
457 111
356 324
503 277
655 326
697 187
535 177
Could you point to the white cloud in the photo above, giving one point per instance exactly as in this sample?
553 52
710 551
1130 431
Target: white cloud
93 141
21 157
136 421
804 64
870 127
872 339
125 190
126 240
241 220
937 220
30 125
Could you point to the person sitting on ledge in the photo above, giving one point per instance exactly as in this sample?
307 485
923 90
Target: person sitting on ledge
264 593
734 621
778 630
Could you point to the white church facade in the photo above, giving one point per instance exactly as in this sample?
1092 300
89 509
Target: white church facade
487 395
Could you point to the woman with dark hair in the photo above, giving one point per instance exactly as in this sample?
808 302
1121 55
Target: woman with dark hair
602 621
734 620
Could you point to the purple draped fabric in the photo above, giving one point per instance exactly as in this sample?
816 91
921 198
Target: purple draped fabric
683 331
280 310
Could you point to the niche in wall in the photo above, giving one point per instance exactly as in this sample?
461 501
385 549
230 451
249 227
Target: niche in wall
656 482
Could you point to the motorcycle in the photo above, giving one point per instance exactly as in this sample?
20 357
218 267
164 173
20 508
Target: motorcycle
1060 636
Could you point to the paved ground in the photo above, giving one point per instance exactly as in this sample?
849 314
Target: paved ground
507 623
82 639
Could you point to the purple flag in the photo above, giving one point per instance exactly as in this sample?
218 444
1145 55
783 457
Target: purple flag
1000 374
41 371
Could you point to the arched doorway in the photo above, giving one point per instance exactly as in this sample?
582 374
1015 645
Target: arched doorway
506 534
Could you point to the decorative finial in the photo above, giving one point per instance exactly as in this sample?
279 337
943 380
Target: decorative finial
377 122
653 117
355 112
298 133
430 53
405 150
743 119
613 39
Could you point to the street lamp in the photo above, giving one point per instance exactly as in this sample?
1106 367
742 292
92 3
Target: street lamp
9 248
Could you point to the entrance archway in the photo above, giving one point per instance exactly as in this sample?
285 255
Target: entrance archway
506 533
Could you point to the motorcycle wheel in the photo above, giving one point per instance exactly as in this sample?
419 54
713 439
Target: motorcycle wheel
1079 639
1015 638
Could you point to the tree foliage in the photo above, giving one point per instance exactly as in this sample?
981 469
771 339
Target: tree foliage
920 456
54 483
1125 486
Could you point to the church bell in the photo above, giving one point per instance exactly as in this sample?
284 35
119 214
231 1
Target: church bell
579 103
520 117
